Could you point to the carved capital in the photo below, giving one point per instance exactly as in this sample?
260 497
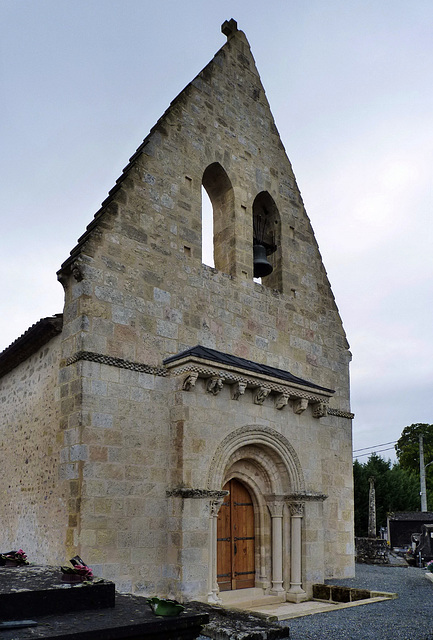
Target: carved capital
320 410
215 507
296 509
238 389
189 382
281 400
275 508
214 385
261 394
300 405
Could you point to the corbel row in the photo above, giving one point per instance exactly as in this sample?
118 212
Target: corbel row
215 383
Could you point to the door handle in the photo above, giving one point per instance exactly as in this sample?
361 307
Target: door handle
236 549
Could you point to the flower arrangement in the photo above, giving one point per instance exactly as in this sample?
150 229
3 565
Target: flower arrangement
13 558
429 566
79 570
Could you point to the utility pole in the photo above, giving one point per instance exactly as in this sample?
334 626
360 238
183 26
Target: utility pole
423 492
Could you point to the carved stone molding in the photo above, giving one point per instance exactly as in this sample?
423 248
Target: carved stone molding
238 389
189 382
307 496
116 362
300 405
340 414
185 492
214 385
261 394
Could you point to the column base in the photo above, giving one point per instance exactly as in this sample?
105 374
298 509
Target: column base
296 595
213 598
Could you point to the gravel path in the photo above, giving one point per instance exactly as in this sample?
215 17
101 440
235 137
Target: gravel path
409 617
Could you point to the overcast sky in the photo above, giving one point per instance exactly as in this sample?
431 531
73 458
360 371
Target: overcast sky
351 89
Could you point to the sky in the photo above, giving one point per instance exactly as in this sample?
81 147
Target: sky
350 87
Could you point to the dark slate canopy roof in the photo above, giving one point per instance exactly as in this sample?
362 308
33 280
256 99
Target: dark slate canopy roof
410 516
33 339
205 353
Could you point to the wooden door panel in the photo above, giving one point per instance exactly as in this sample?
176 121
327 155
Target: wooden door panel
235 539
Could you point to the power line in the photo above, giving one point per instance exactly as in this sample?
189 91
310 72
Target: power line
376 445
360 455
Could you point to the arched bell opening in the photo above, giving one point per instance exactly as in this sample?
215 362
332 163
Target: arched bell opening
220 191
267 241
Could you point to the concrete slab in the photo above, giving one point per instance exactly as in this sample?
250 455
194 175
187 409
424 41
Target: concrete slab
287 610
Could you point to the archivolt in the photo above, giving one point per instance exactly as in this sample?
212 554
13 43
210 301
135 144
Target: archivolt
273 445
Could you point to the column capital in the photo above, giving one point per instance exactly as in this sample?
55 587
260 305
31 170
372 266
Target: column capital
296 509
275 505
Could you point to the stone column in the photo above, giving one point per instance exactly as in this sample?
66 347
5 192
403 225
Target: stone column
296 593
213 589
276 510
371 510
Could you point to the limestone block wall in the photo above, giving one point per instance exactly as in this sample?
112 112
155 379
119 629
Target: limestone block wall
33 506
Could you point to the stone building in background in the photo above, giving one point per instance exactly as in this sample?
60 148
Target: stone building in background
187 429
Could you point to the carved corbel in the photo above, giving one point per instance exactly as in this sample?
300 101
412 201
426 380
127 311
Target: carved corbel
300 405
214 385
77 271
238 389
320 410
189 382
281 400
261 394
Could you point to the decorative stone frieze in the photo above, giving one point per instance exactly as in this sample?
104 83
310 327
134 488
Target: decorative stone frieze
116 362
186 492
340 414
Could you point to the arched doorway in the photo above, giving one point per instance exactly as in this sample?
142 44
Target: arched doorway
235 539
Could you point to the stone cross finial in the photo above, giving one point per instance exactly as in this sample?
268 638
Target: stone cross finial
229 27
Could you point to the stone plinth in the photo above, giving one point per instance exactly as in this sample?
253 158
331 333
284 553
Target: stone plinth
371 551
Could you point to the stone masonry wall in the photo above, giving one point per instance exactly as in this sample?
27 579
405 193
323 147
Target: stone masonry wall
33 508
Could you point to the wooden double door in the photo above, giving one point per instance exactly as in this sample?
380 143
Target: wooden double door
235 539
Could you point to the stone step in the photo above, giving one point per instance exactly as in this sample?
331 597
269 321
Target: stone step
247 598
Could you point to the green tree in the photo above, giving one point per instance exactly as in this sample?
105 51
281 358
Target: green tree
396 489
407 449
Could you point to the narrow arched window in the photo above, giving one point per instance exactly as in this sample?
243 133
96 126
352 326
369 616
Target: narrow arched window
220 191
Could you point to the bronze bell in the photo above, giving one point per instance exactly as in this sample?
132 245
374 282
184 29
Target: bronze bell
262 267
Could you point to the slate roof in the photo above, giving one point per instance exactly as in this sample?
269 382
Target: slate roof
33 339
206 353
424 516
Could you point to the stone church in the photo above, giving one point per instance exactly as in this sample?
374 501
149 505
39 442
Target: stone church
186 429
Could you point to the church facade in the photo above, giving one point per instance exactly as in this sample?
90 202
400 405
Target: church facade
186 429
